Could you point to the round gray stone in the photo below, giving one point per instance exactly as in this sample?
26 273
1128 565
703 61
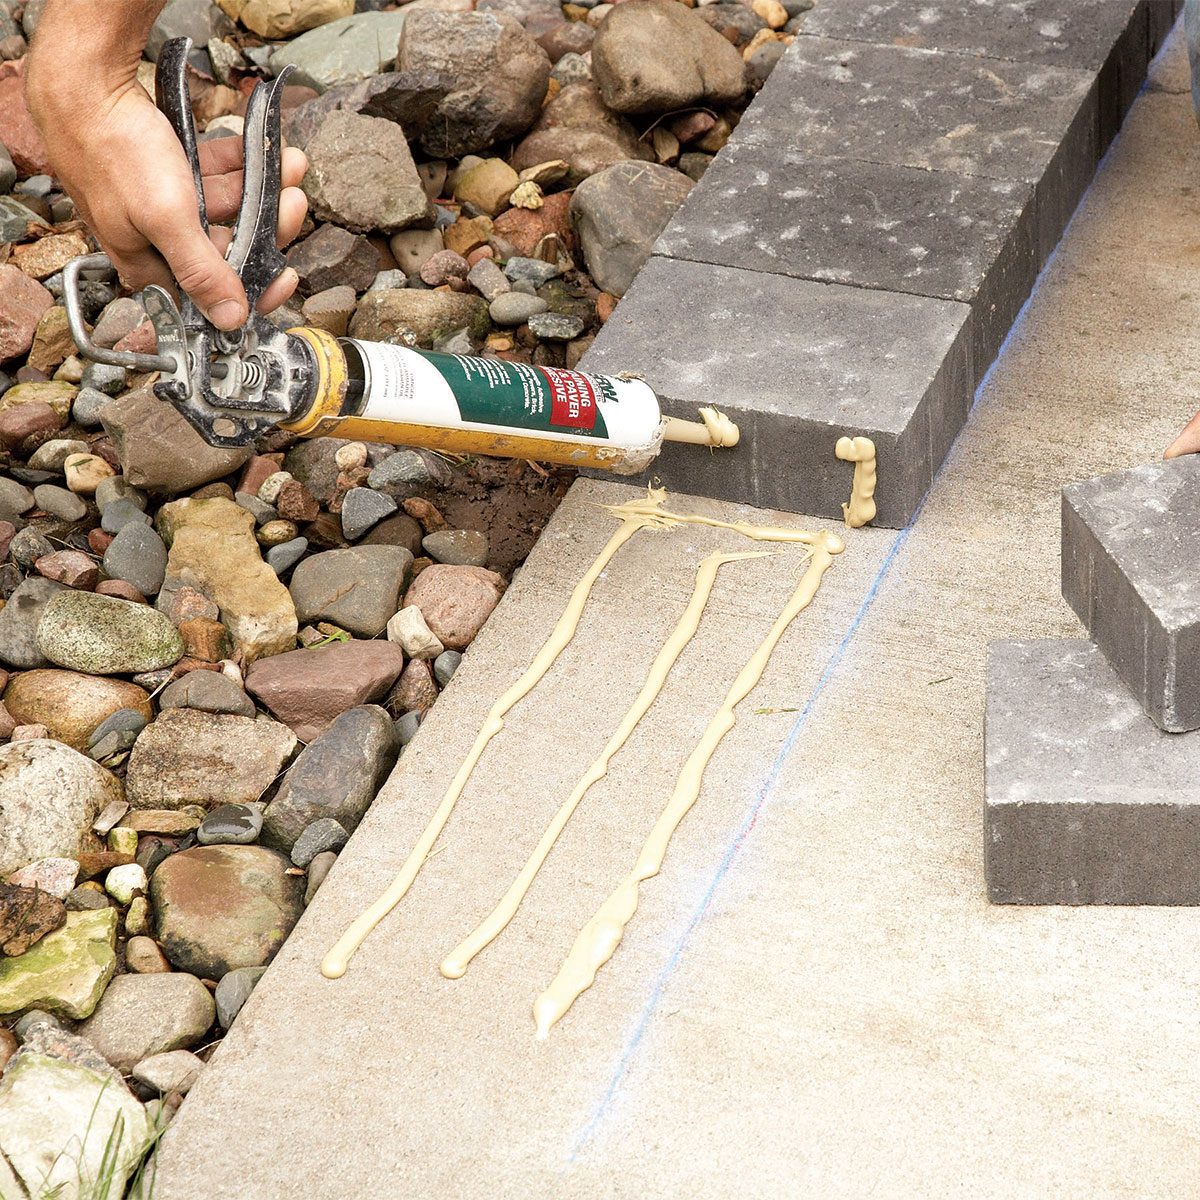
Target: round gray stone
230 824
320 836
515 308
138 556
445 665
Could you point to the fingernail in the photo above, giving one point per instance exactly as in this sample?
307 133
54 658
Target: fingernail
227 314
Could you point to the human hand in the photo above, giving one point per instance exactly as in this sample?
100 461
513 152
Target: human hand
120 161
1188 442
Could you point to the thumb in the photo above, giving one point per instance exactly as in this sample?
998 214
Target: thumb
199 268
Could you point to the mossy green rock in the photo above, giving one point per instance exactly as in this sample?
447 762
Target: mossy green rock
67 971
61 1120
106 636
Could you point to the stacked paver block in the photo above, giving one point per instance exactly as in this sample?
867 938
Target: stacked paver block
900 151
1092 782
1088 801
1131 572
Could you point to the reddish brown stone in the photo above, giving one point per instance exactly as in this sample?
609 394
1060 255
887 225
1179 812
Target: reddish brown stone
526 227
17 130
72 567
121 589
256 470
7 722
455 601
8 1046
22 302
296 503
427 513
187 604
26 916
605 304
306 689
205 639
95 863
7 532
416 690
141 341
99 541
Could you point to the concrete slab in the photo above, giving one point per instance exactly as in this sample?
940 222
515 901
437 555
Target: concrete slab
1130 546
1087 801
797 364
816 997
765 205
938 111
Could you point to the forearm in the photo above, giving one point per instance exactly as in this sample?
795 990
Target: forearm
102 39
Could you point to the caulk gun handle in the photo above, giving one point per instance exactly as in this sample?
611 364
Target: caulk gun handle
174 102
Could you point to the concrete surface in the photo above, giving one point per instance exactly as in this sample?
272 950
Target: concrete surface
1087 800
816 998
1130 555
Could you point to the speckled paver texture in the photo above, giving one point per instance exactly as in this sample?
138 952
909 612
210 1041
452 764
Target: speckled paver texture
934 150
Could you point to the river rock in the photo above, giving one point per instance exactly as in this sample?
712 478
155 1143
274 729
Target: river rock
284 18
27 914
208 691
60 1122
159 450
361 509
230 824
233 991
106 636
408 98
201 20
70 704
49 797
619 214
333 257
218 908
173 1071
307 689
138 556
409 630
213 549
657 56
497 75
361 175
335 776
415 690
357 589
456 601
345 51
19 620
457 547
325 836
575 127
430 315
142 955
140 1015
53 875
67 971
22 303
192 757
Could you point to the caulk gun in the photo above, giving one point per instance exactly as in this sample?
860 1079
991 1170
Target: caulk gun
233 387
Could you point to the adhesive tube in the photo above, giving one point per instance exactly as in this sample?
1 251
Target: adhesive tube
468 405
